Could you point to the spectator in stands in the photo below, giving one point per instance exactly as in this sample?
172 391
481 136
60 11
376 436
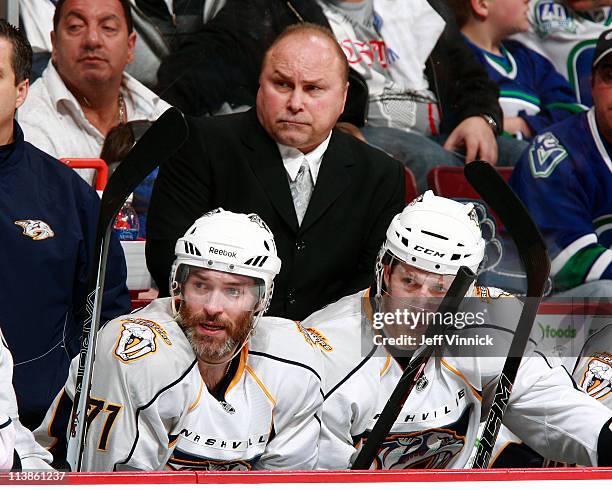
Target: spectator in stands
564 180
48 218
430 103
18 449
565 32
84 92
533 95
269 161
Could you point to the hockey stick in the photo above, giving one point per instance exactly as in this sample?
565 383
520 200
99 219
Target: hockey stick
414 370
530 245
157 144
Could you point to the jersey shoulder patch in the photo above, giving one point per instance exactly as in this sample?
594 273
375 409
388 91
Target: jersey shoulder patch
597 377
545 153
138 338
314 337
488 293
552 16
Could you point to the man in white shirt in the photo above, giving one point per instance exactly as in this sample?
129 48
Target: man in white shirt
84 92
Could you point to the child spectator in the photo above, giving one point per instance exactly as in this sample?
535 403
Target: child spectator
533 95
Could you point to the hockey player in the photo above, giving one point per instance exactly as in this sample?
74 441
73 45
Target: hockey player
18 449
533 95
201 380
564 180
437 427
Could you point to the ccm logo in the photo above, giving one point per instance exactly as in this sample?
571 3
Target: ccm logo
428 251
218 251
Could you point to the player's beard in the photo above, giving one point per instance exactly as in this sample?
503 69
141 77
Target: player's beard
208 348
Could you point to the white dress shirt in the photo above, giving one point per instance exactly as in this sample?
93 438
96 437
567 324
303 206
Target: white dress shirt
293 158
53 120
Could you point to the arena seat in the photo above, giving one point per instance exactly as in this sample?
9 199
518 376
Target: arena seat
450 181
411 187
96 164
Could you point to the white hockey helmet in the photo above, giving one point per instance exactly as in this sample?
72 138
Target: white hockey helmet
436 234
228 242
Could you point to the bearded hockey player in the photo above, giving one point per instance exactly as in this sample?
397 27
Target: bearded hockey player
201 380
437 428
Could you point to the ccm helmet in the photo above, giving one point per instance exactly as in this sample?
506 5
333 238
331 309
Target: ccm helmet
436 234
228 242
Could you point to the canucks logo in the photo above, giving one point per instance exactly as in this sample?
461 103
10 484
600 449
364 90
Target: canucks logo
551 15
545 154
35 229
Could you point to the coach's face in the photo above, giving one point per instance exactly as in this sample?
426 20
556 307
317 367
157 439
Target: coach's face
301 91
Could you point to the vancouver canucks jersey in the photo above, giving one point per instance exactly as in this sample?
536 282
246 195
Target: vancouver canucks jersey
567 38
150 409
565 180
438 425
529 85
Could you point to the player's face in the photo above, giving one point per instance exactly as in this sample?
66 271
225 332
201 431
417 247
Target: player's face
601 90
301 91
92 44
217 312
11 95
406 281
508 16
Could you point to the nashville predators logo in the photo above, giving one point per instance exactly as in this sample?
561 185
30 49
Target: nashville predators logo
433 448
138 338
35 229
315 338
597 380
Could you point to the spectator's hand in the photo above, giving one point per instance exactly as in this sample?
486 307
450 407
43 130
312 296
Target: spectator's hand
517 124
478 139
582 5
351 129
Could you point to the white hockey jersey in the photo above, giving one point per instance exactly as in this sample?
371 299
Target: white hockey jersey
13 435
438 425
151 410
567 38
593 371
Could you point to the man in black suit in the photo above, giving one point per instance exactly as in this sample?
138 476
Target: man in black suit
327 197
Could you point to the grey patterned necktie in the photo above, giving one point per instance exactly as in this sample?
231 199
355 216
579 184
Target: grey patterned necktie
301 190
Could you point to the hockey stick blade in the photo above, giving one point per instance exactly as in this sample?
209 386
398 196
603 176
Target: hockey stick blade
163 138
414 370
531 247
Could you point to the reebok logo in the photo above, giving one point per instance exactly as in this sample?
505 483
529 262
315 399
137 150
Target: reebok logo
220 251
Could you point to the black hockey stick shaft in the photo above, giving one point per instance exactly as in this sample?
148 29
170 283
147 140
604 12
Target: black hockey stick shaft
157 144
410 376
531 247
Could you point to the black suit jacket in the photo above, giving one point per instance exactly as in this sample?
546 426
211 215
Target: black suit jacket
231 162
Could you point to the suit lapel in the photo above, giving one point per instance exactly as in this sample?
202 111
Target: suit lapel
334 177
267 165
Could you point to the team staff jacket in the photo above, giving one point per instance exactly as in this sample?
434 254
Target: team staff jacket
529 86
48 218
438 425
151 409
565 181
